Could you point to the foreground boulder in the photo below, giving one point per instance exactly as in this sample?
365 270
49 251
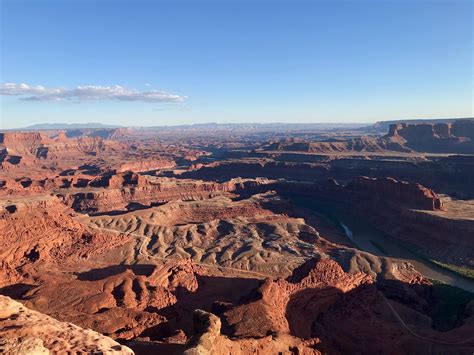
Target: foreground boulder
208 340
24 331
289 306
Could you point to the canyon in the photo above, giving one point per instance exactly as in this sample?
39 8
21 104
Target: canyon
246 239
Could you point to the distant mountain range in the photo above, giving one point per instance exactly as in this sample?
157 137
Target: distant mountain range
257 126
197 126
67 126
378 127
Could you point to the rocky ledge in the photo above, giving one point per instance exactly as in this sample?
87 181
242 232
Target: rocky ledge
24 331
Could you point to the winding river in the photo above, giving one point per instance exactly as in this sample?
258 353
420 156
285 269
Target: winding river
369 239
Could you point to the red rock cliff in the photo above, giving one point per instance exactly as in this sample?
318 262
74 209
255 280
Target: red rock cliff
394 192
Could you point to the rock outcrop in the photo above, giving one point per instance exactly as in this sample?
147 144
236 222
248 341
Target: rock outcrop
208 340
130 237
411 213
331 311
449 175
368 193
290 306
146 165
128 190
118 301
328 146
38 145
389 191
41 230
455 137
24 331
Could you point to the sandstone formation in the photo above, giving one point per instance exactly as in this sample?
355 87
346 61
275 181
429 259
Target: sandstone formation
415 215
409 212
41 230
328 146
316 310
120 302
149 165
450 175
392 192
365 192
126 189
290 306
40 146
207 339
240 239
455 137
245 235
24 331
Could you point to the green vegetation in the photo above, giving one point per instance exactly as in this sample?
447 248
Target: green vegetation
462 271
330 211
449 306
465 272
379 247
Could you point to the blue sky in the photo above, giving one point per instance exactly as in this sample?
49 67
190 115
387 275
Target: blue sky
173 62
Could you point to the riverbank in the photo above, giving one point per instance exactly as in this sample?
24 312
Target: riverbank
367 238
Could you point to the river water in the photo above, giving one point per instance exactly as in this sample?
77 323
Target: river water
369 239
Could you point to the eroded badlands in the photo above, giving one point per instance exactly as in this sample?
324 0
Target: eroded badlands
238 240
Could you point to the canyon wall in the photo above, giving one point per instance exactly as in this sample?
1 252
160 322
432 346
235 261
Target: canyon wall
455 137
450 175
390 192
411 213
40 145
125 190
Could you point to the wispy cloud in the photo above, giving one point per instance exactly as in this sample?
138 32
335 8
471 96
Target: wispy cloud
88 92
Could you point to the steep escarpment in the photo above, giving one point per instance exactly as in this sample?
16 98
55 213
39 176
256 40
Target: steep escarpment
38 145
327 146
247 168
393 192
146 165
412 213
447 137
219 242
370 193
450 175
26 143
415 215
129 190
39 156
442 235
453 137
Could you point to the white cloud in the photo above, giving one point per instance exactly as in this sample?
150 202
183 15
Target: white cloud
88 92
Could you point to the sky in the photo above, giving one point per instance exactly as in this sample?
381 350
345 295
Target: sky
143 63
